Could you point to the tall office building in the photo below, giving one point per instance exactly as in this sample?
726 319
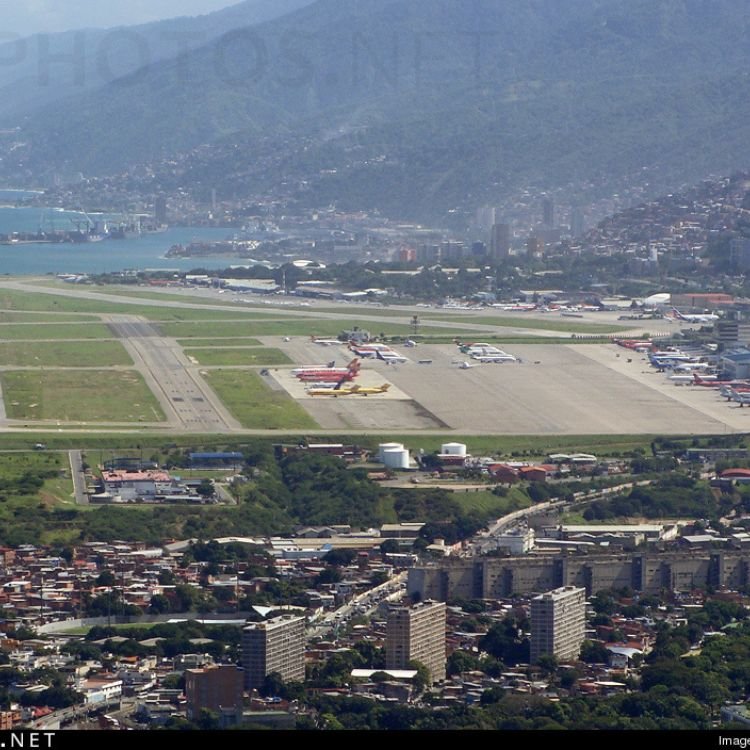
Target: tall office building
548 213
276 645
500 241
216 688
160 210
558 623
577 222
417 633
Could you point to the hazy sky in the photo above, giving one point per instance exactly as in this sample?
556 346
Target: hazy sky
29 16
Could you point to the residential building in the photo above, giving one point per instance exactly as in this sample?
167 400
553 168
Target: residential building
417 633
217 688
558 623
277 645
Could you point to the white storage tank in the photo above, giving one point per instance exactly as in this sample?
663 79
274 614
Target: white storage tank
388 447
396 458
453 449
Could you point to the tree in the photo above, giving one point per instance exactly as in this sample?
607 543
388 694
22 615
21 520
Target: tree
339 557
106 578
460 661
206 488
548 664
423 678
273 686
160 604
594 652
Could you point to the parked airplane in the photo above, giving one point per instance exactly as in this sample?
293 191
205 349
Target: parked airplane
333 374
694 318
681 379
390 357
348 390
493 358
741 397
326 342
327 369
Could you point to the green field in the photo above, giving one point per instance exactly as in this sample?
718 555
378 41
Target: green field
250 356
64 354
7 316
219 342
485 502
18 301
96 396
294 326
255 405
54 331
544 324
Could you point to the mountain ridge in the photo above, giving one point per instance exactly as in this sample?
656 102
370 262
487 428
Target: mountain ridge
425 104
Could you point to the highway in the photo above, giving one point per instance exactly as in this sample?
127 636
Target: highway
187 401
362 604
483 542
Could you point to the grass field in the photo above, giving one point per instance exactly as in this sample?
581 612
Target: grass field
298 327
254 404
53 331
485 502
99 396
544 324
64 354
18 301
249 356
7 316
219 342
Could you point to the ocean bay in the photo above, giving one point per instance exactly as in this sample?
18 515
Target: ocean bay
144 251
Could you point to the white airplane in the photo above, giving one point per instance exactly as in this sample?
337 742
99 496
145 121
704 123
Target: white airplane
391 357
493 358
465 366
326 342
694 317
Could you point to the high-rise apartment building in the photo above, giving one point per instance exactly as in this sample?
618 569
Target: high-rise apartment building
417 633
276 645
558 623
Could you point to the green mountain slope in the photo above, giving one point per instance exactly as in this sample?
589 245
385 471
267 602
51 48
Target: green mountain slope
43 68
417 106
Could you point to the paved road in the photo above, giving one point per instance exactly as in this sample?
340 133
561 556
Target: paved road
187 401
79 478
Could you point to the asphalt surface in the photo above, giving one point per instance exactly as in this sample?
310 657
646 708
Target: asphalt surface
187 401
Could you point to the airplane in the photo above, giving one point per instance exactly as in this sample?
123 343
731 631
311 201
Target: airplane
390 357
695 318
681 379
741 397
328 377
349 390
327 368
326 342
493 358
466 366
368 351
